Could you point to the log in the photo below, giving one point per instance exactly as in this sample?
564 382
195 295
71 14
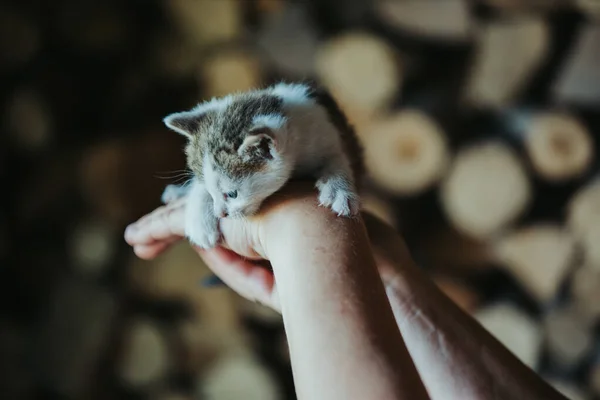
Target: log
204 23
28 121
361 70
515 330
539 256
406 153
20 40
289 40
507 55
559 146
583 210
442 21
585 292
93 246
485 190
578 82
583 218
230 71
380 208
238 376
146 355
568 337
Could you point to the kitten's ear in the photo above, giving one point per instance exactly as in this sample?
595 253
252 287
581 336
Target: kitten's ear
185 123
259 144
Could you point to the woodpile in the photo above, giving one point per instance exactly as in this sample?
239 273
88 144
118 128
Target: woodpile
480 125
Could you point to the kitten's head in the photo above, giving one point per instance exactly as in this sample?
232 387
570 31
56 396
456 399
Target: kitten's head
235 146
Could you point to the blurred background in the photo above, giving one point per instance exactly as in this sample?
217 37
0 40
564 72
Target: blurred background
480 121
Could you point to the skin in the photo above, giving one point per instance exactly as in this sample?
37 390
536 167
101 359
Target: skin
318 260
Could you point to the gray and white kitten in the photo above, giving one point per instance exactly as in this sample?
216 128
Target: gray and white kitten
244 147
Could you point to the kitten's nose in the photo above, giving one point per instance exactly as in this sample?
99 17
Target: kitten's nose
223 214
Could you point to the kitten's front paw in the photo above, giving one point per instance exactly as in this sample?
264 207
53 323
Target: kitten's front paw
172 193
203 234
336 195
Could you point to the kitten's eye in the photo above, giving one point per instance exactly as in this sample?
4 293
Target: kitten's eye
232 195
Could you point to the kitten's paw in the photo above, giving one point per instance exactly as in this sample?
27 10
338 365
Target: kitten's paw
339 198
172 193
202 234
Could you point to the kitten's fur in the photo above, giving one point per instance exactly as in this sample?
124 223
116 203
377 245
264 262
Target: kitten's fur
251 144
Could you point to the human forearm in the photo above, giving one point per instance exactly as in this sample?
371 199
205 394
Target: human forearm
456 357
343 339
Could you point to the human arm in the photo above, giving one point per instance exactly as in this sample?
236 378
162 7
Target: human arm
328 290
456 358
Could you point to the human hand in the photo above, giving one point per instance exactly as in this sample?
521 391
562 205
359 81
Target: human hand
240 260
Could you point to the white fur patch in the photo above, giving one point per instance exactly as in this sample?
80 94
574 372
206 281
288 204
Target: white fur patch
271 121
214 104
292 93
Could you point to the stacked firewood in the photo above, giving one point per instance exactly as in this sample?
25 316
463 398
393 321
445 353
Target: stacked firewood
480 121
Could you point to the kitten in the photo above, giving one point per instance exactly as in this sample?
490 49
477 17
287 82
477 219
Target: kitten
244 147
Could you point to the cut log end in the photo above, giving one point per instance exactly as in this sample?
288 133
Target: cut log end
93 247
583 218
407 153
379 208
507 55
207 22
238 377
145 358
486 189
230 71
361 71
447 21
515 330
568 337
539 256
579 78
559 147
585 292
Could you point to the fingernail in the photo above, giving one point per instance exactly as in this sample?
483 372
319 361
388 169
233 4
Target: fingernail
212 281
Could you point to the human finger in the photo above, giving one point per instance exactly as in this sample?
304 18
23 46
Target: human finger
249 279
164 223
